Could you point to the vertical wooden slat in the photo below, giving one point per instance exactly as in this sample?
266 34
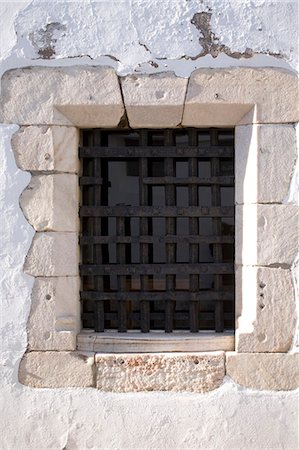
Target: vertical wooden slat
144 230
193 230
217 248
121 279
170 200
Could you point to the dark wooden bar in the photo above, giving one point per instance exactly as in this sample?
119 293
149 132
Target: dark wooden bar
156 296
217 248
144 229
156 152
169 239
223 181
98 257
170 249
121 278
156 211
194 307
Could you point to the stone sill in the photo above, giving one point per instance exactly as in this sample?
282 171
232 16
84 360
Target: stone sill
155 341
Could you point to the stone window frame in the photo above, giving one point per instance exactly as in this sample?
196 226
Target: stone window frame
50 105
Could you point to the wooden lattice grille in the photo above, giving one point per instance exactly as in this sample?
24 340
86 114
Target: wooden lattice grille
157 229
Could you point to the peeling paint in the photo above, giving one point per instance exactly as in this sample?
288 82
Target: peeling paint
210 42
44 40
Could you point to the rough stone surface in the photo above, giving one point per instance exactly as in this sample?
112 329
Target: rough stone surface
47 148
226 97
267 371
80 96
194 372
266 234
259 176
54 319
51 202
154 101
57 369
53 254
267 316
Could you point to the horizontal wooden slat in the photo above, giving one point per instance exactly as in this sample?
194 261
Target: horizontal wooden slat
156 211
83 181
155 151
159 296
224 181
205 316
157 269
175 239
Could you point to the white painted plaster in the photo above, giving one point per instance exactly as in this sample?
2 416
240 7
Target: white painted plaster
228 418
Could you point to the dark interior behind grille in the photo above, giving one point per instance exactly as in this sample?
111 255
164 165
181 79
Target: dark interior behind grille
157 229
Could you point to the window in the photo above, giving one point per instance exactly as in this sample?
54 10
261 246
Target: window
266 233
157 230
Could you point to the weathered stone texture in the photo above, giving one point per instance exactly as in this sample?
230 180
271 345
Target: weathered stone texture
194 372
47 148
80 96
266 234
51 202
57 369
53 254
267 319
264 159
54 319
264 371
226 97
154 101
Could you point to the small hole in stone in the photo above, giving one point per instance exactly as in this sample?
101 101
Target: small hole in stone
48 297
121 361
261 305
262 285
216 95
261 295
196 361
47 156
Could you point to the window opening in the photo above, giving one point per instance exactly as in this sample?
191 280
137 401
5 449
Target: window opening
157 230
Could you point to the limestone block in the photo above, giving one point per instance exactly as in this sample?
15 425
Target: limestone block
267 318
80 96
47 148
57 369
266 234
194 372
265 158
264 371
53 254
51 202
53 300
226 97
154 101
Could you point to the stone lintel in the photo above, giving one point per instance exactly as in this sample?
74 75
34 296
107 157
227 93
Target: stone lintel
154 101
79 96
241 95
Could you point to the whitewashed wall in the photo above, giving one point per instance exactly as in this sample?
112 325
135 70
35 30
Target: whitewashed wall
131 36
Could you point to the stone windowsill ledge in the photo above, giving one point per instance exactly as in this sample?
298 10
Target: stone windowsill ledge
178 371
155 341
